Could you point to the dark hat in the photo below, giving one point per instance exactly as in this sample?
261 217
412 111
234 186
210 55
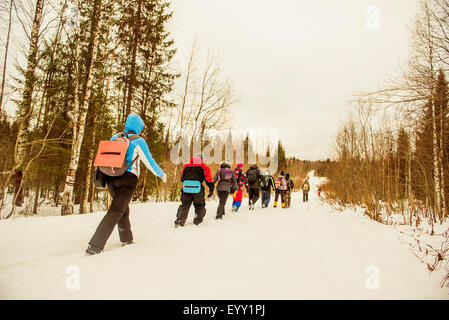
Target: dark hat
282 173
287 175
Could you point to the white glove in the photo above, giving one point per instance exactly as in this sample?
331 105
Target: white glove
164 178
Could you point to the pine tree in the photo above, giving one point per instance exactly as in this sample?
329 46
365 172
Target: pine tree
282 161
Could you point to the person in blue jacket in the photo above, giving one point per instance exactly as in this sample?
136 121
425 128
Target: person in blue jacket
123 187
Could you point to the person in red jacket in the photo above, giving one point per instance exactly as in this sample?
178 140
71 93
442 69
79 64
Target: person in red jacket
193 175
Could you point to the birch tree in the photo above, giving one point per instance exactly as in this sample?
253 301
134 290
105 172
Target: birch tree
80 107
5 58
426 47
26 107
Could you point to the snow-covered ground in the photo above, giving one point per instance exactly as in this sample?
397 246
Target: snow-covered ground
307 251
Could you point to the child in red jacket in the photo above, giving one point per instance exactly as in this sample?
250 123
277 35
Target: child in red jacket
240 176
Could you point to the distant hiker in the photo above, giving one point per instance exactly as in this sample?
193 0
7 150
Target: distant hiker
242 182
319 191
281 186
226 184
288 192
122 187
305 190
253 176
193 175
266 185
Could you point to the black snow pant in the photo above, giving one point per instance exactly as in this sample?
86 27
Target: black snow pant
186 201
223 198
277 193
121 189
253 194
305 196
266 195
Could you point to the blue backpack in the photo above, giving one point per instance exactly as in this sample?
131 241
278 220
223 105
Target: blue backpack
191 186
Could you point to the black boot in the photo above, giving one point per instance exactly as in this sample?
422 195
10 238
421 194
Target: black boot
91 250
127 243
178 224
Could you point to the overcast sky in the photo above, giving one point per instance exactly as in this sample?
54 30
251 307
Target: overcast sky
296 63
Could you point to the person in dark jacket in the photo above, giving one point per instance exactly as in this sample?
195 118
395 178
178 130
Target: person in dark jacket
266 185
288 192
242 182
305 190
253 176
194 171
123 187
226 183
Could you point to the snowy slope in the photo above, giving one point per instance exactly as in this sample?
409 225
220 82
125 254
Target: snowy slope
305 252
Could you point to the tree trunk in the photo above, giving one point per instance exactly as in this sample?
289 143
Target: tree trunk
92 197
442 186
79 119
132 76
67 197
26 108
5 59
436 166
18 189
158 195
36 198
56 193
88 181
409 179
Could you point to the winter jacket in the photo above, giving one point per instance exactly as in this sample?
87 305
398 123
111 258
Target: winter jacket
308 186
138 148
225 185
290 184
240 177
197 170
270 186
256 184
283 185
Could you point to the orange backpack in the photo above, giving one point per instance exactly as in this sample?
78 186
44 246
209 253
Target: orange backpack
280 183
111 155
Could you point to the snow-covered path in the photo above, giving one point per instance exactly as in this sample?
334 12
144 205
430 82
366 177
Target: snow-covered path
305 252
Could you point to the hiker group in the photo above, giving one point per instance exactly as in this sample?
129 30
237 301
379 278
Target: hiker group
118 169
